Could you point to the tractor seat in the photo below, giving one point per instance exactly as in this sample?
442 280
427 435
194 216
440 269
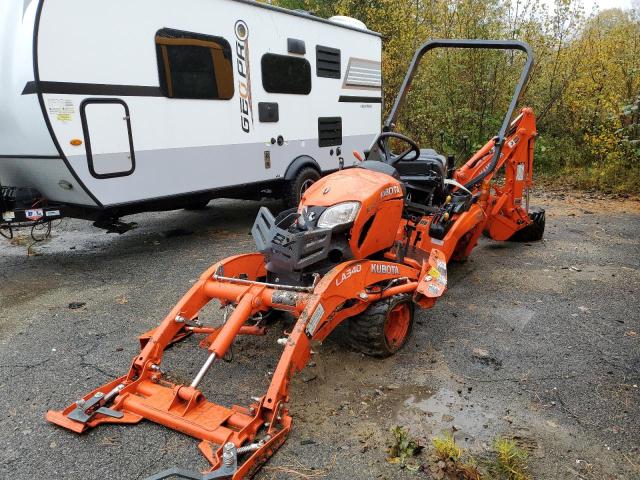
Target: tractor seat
423 178
429 164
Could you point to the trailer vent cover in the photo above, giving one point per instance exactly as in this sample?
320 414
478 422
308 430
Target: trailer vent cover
329 131
327 62
348 22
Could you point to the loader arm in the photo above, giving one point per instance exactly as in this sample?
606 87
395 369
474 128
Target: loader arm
235 440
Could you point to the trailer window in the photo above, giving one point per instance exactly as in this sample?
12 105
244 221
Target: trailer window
284 74
191 65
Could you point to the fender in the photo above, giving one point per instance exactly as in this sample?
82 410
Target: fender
298 163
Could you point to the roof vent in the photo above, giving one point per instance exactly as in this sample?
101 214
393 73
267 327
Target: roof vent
348 22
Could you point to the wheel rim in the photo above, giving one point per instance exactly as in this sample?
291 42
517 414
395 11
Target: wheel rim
396 326
305 186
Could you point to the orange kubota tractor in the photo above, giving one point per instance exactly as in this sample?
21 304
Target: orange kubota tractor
364 246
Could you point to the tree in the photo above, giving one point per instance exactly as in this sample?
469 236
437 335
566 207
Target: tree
585 84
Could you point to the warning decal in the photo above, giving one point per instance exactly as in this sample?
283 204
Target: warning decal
62 109
315 318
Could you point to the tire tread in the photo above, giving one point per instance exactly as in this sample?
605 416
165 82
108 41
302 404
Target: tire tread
292 187
366 330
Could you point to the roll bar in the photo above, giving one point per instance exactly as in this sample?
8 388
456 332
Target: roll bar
471 44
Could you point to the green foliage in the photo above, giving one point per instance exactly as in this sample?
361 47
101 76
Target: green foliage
450 461
446 448
585 86
511 461
402 446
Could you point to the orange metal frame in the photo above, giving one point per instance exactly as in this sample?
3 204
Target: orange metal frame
258 429
144 393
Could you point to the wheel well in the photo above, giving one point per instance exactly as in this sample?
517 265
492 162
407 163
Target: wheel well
301 162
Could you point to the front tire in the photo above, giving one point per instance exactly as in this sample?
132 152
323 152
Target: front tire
534 231
295 188
383 328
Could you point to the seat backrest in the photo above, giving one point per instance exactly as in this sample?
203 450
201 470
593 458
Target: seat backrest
429 163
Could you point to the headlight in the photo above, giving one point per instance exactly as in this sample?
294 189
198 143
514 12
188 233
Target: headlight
338 214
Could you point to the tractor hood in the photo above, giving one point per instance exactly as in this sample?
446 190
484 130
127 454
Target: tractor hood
354 184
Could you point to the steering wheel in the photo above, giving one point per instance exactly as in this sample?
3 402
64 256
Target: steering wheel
382 143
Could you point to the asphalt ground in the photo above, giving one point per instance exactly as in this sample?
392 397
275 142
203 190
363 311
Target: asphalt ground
537 342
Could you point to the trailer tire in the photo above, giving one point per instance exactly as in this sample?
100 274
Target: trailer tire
294 188
534 231
383 328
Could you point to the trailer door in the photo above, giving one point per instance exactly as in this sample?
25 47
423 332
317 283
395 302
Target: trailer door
107 137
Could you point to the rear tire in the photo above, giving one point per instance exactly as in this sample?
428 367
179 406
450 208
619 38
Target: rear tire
383 328
295 188
534 231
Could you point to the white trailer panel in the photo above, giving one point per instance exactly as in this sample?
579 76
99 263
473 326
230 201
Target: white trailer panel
100 111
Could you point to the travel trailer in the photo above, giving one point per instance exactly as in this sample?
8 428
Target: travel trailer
119 107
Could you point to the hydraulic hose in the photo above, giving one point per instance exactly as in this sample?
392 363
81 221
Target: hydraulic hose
489 169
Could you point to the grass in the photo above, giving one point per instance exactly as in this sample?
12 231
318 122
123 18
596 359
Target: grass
508 462
449 461
402 447
452 461
511 461
446 448
591 179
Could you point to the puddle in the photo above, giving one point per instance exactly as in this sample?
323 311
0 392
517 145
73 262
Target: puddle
446 410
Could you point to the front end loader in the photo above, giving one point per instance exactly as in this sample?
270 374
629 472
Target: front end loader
366 246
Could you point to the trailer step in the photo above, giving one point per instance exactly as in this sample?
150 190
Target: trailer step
115 225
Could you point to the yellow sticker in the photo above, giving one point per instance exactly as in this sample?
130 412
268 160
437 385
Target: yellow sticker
434 273
64 117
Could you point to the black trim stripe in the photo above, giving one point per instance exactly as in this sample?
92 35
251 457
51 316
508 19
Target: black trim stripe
29 88
356 99
70 88
36 157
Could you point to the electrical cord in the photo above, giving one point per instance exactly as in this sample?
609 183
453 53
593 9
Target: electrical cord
8 227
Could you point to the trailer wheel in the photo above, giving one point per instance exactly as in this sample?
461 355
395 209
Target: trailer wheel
383 328
535 230
303 179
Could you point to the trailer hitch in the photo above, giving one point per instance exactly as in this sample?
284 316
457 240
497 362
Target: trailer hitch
114 225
